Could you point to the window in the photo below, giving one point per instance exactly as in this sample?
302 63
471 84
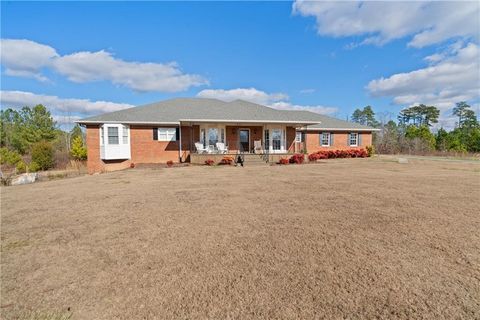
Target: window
112 135
203 137
212 136
125 134
167 134
298 136
325 139
276 139
353 139
101 136
267 139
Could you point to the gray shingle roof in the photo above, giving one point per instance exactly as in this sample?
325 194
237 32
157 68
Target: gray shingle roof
200 109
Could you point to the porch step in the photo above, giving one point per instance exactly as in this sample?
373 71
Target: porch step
254 160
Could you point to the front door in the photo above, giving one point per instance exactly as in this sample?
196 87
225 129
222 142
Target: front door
244 140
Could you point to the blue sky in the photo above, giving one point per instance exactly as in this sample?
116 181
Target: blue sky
87 58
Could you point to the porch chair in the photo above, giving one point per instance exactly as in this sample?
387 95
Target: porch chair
222 148
257 146
200 148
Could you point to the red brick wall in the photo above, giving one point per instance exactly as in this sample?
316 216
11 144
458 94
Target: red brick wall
94 164
312 141
146 150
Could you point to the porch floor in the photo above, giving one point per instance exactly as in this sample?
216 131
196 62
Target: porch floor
199 158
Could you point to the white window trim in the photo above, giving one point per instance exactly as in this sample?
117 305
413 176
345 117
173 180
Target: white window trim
120 128
328 139
298 134
118 135
219 127
125 129
350 139
114 151
168 132
283 141
102 135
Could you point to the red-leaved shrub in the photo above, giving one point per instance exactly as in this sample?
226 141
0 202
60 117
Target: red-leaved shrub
170 163
332 154
209 162
283 161
227 160
297 158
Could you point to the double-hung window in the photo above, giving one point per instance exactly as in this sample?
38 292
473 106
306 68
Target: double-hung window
167 134
125 134
101 136
353 139
325 139
112 135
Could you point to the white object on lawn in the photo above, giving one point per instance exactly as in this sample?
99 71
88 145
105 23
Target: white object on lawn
25 178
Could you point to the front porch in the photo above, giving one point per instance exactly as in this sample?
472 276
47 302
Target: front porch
216 140
200 158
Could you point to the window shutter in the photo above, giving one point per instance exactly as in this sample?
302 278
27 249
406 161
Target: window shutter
348 138
177 134
359 137
320 139
155 133
331 139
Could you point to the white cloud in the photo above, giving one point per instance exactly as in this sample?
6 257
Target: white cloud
101 65
315 108
379 22
26 58
58 105
273 100
248 94
451 79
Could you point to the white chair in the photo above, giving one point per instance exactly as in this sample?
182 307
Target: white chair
221 147
200 148
257 146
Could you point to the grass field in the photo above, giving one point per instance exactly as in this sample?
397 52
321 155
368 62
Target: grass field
352 238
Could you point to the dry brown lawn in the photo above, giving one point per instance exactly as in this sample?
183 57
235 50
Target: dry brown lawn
354 238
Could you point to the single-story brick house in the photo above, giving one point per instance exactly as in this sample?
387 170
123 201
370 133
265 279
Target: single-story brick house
191 129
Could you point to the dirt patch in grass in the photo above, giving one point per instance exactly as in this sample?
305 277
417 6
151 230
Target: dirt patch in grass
351 238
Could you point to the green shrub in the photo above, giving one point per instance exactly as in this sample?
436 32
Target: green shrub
21 167
79 151
33 167
370 150
42 155
9 157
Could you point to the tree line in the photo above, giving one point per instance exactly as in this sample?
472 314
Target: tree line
31 140
413 130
